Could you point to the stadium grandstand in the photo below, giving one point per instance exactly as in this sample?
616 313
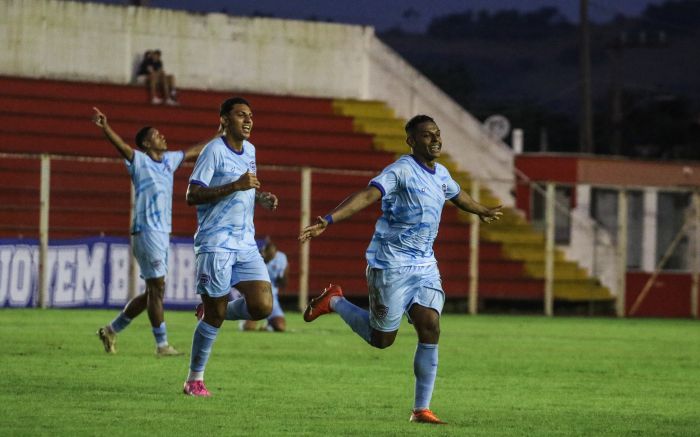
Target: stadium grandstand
330 102
573 313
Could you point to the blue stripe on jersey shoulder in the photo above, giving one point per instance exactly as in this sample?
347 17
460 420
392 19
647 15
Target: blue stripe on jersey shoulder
378 186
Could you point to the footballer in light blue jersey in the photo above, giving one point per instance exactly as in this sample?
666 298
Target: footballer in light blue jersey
402 274
151 169
153 187
224 186
226 225
413 196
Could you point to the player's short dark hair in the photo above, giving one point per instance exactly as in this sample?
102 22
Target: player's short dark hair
415 121
141 136
229 104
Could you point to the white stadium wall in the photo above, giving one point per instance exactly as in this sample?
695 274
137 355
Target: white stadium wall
97 42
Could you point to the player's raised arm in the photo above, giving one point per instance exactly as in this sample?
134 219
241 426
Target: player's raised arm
199 194
465 202
348 207
123 148
193 152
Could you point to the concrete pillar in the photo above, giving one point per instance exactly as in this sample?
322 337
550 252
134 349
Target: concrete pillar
651 195
517 140
549 250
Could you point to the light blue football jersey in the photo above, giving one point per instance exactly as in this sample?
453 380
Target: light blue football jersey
413 196
153 185
276 268
227 224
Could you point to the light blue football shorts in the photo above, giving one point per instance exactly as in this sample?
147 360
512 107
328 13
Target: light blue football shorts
150 249
217 272
393 291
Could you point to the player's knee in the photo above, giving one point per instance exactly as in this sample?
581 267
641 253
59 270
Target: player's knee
213 319
381 341
433 329
156 288
429 332
214 313
260 310
382 344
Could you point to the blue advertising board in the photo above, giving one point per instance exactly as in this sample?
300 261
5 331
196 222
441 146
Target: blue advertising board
89 273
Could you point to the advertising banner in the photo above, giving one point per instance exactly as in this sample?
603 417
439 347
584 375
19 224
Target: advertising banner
89 273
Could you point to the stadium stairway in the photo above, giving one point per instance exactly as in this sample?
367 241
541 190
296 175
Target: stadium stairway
345 141
511 263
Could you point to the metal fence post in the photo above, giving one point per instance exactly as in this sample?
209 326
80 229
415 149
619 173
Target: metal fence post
44 195
549 250
621 252
474 253
304 221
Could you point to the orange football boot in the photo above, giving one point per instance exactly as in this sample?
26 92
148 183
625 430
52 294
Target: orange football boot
425 416
322 304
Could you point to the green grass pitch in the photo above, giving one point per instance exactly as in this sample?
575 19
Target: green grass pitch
498 375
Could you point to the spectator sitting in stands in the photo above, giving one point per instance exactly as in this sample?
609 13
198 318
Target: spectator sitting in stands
152 73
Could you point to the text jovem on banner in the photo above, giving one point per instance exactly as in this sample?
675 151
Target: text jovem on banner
89 272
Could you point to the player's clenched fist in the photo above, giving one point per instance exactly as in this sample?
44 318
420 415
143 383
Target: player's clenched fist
247 181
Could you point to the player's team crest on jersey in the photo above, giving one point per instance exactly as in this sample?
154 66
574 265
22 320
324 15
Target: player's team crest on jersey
204 279
251 166
380 311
